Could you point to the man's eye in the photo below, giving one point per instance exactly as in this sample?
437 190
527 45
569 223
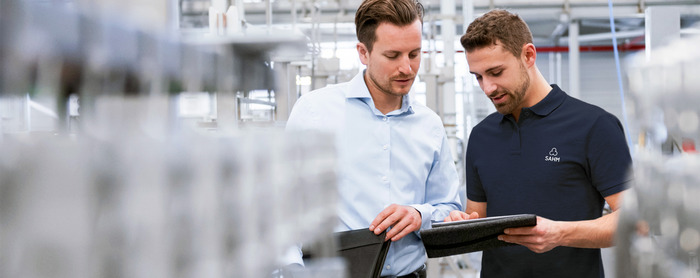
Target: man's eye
392 56
497 73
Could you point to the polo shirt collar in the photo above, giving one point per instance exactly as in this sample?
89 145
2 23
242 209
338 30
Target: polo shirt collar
358 89
554 99
547 105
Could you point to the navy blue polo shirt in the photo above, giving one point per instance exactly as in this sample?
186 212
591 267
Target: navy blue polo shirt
558 161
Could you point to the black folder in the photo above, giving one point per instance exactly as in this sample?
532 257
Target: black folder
364 252
459 237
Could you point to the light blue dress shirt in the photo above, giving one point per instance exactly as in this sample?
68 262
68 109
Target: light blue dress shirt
402 157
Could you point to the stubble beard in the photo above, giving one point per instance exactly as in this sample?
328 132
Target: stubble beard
386 87
515 97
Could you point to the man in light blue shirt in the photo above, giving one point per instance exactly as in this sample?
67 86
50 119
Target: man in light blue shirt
395 166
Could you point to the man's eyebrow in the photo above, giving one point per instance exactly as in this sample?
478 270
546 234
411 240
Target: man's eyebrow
399 52
490 70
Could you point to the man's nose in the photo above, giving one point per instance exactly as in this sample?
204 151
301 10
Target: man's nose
488 86
405 65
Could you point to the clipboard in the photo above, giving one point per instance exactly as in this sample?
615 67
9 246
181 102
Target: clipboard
364 252
459 237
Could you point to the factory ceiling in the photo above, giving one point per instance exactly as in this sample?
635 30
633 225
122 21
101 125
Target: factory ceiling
548 19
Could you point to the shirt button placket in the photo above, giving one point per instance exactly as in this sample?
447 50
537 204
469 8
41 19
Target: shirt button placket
385 147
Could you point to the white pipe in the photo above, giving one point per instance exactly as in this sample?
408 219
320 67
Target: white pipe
241 10
268 14
467 96
604 36
294 14
448 30
173 17
558 79
551 67
574 60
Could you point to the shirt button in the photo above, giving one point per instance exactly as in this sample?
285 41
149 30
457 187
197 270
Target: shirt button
386 147
384 178
388 267
385 119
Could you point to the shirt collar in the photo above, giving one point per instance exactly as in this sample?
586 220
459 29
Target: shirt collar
358 89
554 99
547 105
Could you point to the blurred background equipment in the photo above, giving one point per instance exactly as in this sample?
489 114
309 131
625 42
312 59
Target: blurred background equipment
659 230
142 138
111 180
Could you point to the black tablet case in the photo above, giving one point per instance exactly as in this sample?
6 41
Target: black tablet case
364 252
459 237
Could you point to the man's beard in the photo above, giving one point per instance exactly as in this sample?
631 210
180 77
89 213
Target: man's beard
515 97
386 87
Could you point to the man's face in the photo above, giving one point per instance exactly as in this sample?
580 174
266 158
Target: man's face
501 75
395 58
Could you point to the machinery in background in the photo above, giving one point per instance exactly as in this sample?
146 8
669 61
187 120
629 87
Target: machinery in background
117 184
659 228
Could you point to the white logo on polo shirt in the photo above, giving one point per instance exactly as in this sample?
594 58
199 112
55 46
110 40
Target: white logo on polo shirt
552 156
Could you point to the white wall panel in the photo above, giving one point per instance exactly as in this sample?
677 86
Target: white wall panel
598 75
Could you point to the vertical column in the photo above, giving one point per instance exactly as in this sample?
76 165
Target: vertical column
173 16
448 9
662 24
467 95
574 60
285 91
227 110
449 115
431 88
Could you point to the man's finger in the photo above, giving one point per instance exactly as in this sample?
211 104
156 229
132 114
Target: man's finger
519 231
395 230
456 215
387 218
405 231
403 228
375 226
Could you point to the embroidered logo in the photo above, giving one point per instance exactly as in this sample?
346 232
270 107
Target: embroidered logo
553 156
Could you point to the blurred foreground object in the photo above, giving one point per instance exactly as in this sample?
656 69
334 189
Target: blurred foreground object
116 184
659 229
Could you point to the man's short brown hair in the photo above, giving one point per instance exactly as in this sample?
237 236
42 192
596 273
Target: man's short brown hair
494 27
373 12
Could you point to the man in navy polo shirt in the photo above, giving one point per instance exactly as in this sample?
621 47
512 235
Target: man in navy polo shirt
543 153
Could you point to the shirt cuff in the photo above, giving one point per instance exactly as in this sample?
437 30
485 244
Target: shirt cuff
426 213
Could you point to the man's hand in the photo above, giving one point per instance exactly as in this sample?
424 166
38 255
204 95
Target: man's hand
401 219
541 238
457 215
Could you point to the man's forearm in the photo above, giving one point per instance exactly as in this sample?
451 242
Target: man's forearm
597 233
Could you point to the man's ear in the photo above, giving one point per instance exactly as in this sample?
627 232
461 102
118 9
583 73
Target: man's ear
529 54
363 52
